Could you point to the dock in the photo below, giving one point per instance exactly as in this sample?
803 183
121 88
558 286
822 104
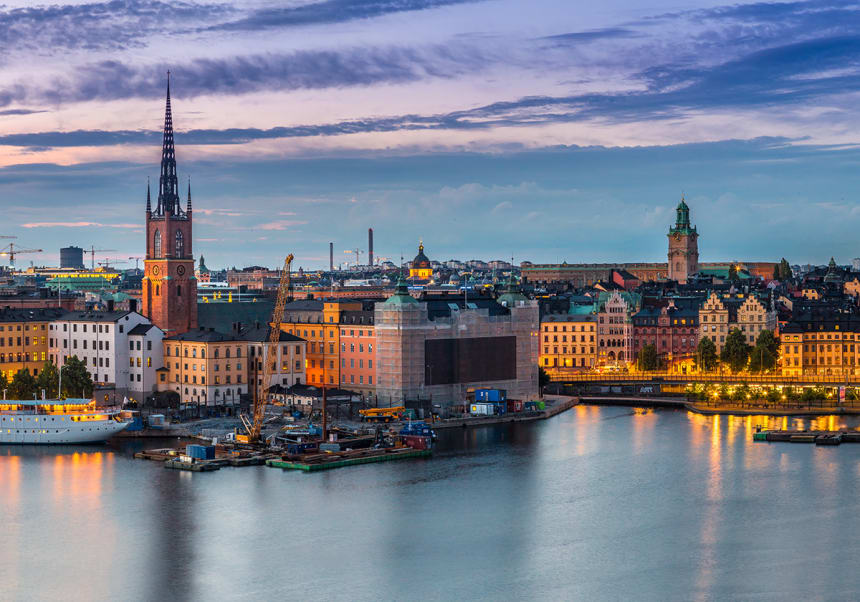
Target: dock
314 462
816 437
554 407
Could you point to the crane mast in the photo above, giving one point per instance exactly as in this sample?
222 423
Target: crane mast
270 355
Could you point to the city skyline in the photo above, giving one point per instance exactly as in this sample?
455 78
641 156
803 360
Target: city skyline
460 129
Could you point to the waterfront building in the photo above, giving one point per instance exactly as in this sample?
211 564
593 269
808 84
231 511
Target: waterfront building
683 246
568 340
821 340
318 322
24 339
420 268
720 314
615 327
439 349
672 327
103 341
213 369
145 357
358 350
169 287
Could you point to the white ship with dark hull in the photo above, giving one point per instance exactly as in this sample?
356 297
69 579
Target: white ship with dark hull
54 421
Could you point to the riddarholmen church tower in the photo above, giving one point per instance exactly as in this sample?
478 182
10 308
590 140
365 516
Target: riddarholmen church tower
169 286
683 246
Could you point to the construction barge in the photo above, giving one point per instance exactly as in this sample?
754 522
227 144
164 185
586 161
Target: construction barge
326 461
816 437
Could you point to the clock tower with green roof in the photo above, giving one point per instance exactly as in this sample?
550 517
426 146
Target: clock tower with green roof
683 246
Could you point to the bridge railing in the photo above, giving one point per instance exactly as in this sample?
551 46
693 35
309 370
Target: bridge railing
650 377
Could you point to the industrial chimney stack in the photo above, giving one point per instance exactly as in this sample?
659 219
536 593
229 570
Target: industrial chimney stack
331 257
370 246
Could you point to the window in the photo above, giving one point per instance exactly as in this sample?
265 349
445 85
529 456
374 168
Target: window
180 244
156 245
178 291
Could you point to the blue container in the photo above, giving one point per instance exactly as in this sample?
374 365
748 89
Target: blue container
198 452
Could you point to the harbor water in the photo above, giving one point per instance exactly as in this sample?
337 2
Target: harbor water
597 503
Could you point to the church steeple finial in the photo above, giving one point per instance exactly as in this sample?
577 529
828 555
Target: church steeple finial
168 183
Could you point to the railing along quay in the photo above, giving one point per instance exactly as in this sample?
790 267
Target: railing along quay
665 377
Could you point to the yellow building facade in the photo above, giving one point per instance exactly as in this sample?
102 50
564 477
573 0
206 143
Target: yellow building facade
568 341
24 339
420 268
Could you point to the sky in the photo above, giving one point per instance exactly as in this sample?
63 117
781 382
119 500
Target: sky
545 130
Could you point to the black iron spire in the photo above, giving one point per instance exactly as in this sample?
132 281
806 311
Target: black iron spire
188 209
148 198
168 184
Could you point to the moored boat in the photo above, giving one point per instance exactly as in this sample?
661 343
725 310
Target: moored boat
55 421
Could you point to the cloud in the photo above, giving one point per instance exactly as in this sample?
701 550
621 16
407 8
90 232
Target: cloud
21 112
112 25
308 69
330 11
77 225
608 33
282 224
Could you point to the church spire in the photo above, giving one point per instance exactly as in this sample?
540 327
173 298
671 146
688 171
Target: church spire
188 209
148 198
168 184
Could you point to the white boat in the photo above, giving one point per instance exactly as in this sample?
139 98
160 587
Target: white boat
47 421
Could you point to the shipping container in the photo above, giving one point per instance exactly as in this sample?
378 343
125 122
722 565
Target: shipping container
540 405
491 395
515 405
482 409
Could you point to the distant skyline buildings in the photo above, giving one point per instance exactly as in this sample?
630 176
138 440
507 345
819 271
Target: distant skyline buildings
569 138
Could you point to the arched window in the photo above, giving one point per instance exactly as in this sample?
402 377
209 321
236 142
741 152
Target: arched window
156 244
180 245
157 290
178 291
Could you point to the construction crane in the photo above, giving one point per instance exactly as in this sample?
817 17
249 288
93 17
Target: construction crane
11 251
357 253
92 251
136 261
270 359
107 263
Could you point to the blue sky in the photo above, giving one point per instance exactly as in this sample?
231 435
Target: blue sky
541 130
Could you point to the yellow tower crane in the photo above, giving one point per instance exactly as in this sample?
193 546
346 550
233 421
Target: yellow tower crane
270 359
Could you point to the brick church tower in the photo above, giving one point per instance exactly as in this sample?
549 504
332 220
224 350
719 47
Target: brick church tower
683 246
169 286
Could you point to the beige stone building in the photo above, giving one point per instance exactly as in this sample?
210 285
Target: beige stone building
438 350
719 314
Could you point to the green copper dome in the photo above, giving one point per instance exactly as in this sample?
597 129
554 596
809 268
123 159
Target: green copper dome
401 295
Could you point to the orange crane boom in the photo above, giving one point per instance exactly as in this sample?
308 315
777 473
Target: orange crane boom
270 355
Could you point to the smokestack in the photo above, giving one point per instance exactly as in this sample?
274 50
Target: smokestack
370 246
331 257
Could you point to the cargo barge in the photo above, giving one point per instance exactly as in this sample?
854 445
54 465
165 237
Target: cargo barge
816 437
326 461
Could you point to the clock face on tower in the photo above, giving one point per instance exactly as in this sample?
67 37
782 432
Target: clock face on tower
180 270
155 270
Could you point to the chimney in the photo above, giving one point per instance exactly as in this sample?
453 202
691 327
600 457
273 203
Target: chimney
331 257
370 246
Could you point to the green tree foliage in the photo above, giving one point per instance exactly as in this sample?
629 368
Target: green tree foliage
765 354
773 395
742 393
706 354
782 270
736 351
23 385
48 380
4 382
543 378
76 380
648 358
733 273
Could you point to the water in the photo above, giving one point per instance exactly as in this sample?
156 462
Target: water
598 503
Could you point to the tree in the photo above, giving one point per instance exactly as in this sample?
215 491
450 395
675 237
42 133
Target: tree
4 382
543 377
736 351
706 354
76 380
23 385
48 380
776 272
766 352
648 358
784 270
